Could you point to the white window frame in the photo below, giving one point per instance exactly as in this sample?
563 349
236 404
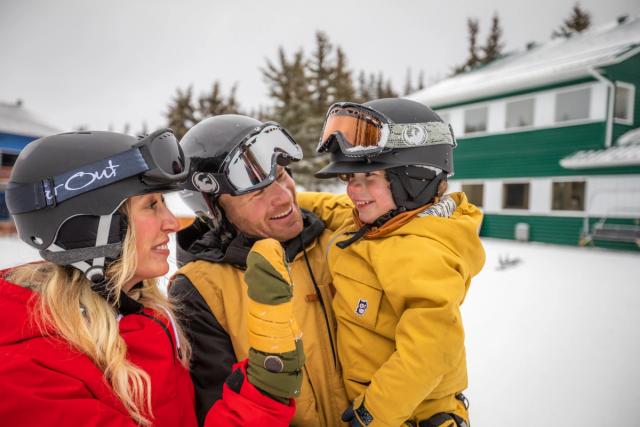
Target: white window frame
464 119
503 195
570 89
516 100
481 183
571 181
630 103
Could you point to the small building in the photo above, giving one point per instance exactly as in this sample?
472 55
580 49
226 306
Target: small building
18 127
549 138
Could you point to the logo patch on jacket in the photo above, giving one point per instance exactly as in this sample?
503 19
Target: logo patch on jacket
362 307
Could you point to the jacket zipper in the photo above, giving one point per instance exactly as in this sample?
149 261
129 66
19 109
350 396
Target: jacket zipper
322 306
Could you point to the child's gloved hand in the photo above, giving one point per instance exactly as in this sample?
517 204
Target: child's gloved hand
276 356
356 414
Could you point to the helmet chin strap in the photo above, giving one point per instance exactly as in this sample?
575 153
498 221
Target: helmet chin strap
379 222
413 186
95 271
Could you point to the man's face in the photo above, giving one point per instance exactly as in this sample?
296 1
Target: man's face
269 212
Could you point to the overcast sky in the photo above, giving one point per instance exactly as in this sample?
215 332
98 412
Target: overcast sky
101 64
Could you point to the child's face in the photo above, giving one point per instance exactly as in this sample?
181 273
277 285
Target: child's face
370 192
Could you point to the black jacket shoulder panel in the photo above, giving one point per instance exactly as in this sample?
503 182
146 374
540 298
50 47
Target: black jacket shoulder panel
212 352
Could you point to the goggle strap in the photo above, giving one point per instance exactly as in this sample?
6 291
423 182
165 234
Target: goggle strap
49 192
409 135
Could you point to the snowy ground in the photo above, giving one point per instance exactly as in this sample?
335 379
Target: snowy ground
553 340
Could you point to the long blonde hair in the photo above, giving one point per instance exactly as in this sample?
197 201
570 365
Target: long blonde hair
90 324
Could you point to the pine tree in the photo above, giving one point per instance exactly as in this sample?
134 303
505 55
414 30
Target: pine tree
493 48
420 81
302 89
388 91
214 102
289 88
181 114
579 21
343 89
364 92
408 84
320 71
473 27
480 55
144 129
472 58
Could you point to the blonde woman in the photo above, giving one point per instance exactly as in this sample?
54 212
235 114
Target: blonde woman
86 337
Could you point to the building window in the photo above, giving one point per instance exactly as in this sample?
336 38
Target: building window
4 211
7 160
568 196
623 107
515 196
573 105
519 113
475 120
474 192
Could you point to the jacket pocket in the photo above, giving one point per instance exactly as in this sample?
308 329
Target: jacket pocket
360 302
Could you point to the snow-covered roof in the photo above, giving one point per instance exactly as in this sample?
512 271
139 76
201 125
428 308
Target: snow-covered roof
16 120
626 152
630 137
556 61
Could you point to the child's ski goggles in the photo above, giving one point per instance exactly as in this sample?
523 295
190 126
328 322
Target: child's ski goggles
253 164
361 131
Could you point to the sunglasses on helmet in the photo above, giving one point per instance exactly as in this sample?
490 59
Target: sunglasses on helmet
361 131
252 165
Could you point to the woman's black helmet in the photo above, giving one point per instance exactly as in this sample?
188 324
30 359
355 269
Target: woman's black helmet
65 191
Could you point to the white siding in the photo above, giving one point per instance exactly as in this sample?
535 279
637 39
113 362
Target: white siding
608 196
544 110
456 116
454 186
598 109
540 196
618 196
497 113
492 195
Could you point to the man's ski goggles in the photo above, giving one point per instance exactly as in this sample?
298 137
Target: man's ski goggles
157 158
361 131
253 164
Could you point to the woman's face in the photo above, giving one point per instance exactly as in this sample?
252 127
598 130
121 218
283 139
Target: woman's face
370 192
152 222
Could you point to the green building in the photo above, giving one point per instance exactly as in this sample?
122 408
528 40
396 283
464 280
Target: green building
549 138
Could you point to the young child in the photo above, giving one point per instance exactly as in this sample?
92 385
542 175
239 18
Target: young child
402 258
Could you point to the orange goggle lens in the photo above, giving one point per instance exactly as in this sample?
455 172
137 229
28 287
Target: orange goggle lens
357 128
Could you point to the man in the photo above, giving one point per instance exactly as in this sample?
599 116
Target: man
243 193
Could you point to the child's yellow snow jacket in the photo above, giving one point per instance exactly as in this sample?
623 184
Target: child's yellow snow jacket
400 333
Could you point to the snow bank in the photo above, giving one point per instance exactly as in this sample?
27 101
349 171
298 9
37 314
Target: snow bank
552 339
